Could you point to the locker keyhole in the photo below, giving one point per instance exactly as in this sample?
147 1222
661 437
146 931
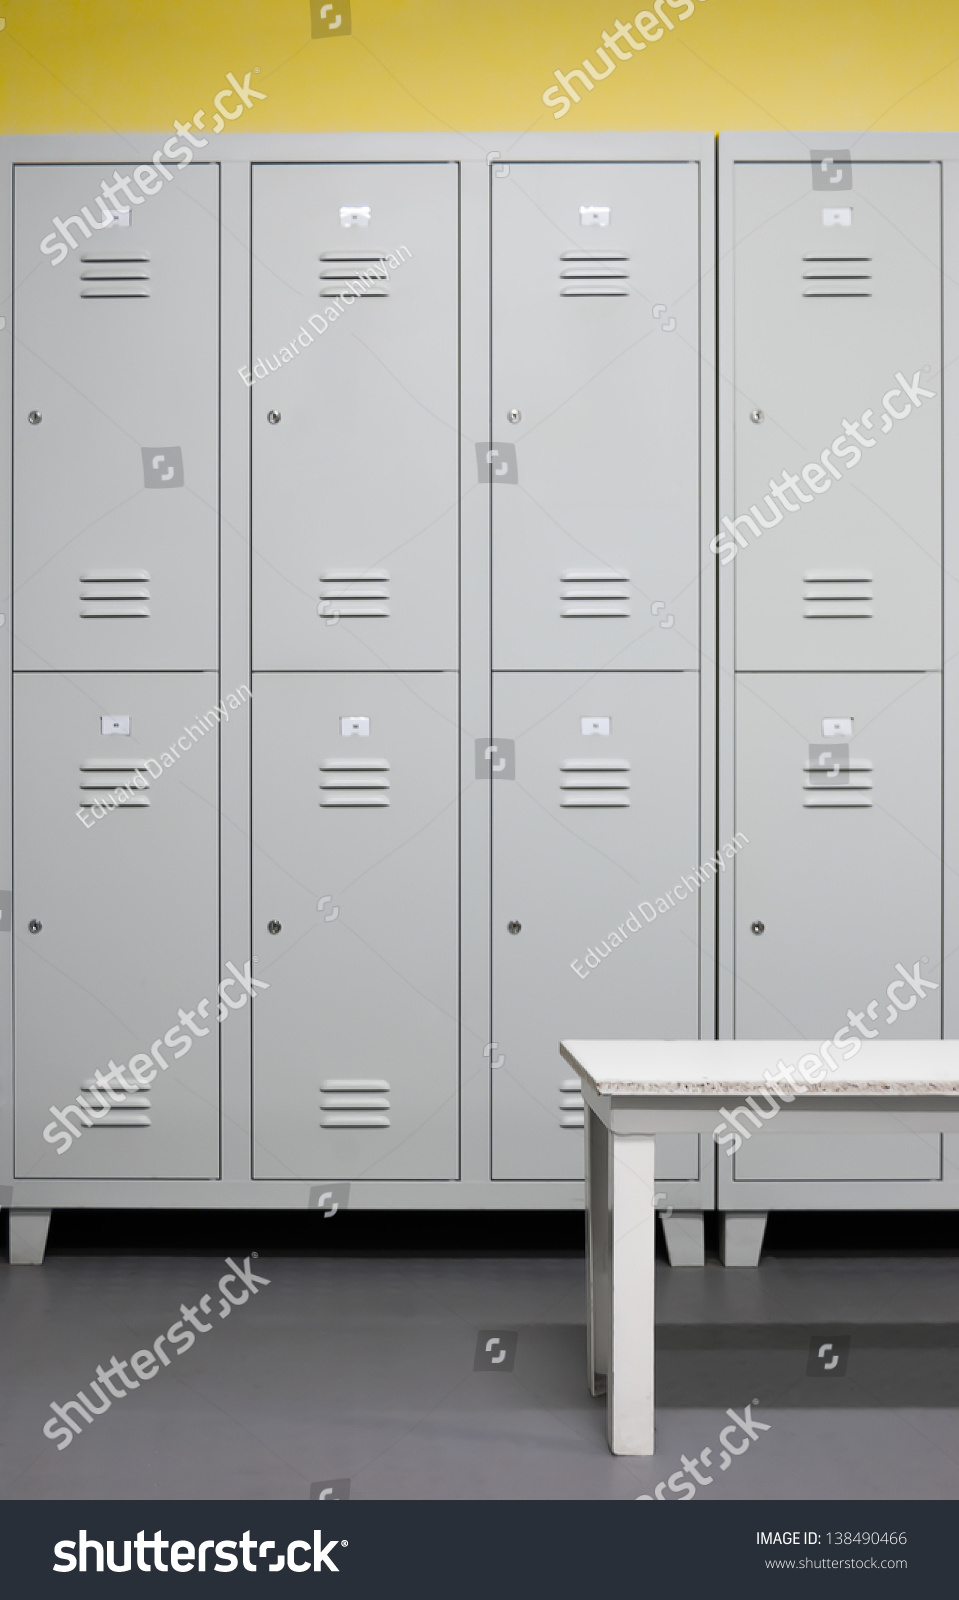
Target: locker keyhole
514 927
758 927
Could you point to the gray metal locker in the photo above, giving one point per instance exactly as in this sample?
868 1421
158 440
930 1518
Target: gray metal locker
354 374
115 422
842 875
601 814
356 919
284 351
596 385
837 323
116 922
831 636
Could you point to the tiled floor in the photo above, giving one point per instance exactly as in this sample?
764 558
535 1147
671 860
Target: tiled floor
362 1369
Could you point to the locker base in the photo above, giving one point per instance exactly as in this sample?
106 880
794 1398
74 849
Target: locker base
685 1239
28 1237
741 1238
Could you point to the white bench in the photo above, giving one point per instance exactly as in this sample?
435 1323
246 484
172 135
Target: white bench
634 1089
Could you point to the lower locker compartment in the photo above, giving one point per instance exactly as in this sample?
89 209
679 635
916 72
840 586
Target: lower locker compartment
355 871
602 814
839 889
115 925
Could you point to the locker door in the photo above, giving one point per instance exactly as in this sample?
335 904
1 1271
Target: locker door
843 867
846 573
596 386
115 488
127 904
355 486
591 825
355 819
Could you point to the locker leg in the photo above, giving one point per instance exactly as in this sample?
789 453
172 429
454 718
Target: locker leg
630 1377
28 1237
685 1239
597 1254
741 1238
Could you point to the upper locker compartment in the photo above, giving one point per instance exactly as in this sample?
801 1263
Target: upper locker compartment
837 320
115 418
354 395
596 387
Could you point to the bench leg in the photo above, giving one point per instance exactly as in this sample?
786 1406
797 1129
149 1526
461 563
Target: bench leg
685 1238
630 1380
597 1254
741 1238
28 1237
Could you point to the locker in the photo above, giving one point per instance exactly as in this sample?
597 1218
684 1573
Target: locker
115 424
596 385
356 918
592 824
123 911
842 569
355 419
842 875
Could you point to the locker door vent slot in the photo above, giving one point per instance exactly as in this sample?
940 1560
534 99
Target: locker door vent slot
133 1112
101 777
585 593
593 272
830 285
843 790
115 594
112 277
354 1103
346 781
594 783
353 592
343 281
572 1110
837 594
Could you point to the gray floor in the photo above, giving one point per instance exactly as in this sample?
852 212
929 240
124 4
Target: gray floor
363 1370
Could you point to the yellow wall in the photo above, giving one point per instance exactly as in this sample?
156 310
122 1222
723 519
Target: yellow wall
93 65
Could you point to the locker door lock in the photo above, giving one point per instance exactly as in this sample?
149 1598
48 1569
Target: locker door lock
274 926
757 416
513 415
757 927
273 416
34 925
34 417
513 927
